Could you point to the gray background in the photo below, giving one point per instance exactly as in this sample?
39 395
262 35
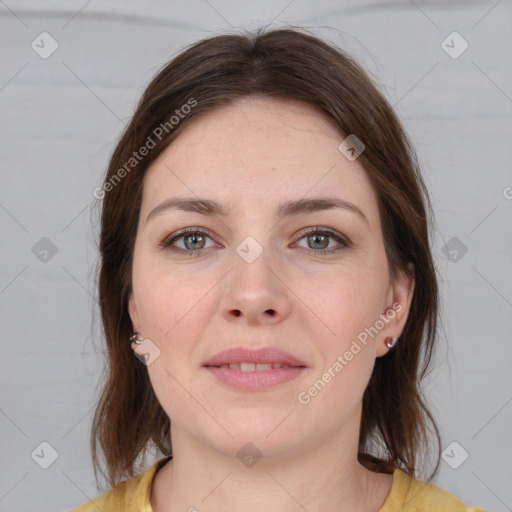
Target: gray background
61 116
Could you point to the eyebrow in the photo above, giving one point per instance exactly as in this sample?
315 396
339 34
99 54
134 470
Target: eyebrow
286 209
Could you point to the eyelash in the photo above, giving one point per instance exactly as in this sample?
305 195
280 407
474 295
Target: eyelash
345 244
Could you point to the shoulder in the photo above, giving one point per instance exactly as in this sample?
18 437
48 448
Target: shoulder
119 496
132 495
409 495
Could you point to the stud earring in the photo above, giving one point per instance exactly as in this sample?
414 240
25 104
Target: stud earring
135 339
391 341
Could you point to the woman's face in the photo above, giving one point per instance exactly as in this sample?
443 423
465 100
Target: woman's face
313 282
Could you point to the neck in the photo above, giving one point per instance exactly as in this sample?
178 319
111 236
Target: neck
323 477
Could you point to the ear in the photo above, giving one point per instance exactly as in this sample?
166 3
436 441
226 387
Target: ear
134 313
396 308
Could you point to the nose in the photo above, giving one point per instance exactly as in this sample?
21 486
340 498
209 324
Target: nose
255 293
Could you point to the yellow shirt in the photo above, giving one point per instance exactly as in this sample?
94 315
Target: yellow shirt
133 495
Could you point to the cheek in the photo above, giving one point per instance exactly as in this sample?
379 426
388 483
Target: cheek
348 306
346 301
346 368
167 299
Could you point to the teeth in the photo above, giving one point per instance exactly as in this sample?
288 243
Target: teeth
252 367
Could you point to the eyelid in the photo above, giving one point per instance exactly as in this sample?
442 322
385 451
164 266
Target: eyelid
167 241
344 242
322 229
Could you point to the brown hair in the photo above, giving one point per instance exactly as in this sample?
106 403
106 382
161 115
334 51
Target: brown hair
284 63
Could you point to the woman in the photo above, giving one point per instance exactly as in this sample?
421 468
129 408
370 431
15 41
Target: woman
265 257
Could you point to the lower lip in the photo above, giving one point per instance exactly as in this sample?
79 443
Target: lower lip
255 381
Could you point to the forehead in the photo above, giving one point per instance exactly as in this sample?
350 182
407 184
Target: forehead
256 152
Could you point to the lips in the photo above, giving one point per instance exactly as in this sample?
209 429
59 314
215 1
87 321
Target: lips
267 355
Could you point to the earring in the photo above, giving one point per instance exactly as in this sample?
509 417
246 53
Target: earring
391 341
135 339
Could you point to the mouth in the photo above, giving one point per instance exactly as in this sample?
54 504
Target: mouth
254 377
254 370
246 360
254 367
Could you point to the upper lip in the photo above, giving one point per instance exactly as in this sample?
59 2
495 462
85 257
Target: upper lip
246 355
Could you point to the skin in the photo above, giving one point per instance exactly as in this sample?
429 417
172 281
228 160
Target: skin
253 155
